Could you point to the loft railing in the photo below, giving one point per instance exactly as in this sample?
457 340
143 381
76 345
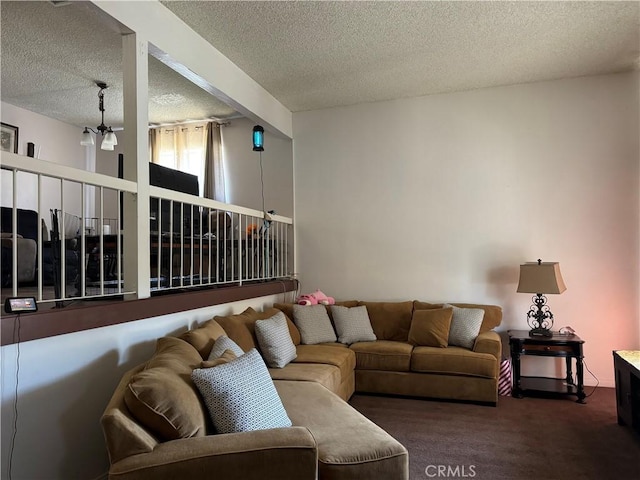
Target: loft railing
71 221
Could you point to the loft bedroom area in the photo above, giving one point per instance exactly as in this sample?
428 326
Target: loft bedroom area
84 224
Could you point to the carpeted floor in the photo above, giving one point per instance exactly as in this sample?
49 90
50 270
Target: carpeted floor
520 439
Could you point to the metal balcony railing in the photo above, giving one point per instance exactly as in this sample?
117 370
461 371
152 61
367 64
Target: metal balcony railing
65 225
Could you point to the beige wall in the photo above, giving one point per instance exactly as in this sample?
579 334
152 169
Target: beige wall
442 197
54 141
242 169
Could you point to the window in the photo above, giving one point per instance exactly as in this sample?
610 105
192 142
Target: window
181 147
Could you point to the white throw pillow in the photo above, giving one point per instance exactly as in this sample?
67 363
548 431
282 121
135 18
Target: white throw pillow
352 324
240 395
314 324
275 341
465 325
223 343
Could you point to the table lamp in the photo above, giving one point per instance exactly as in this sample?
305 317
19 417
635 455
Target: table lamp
540 278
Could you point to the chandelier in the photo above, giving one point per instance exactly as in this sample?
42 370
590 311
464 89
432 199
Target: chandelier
110 140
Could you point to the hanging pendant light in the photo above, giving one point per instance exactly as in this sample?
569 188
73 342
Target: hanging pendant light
258 139
110 139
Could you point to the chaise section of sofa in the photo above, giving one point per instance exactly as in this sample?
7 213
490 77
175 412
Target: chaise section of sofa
350 446
155 425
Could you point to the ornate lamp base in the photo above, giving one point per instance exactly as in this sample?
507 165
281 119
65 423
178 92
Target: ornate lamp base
540 332
539 317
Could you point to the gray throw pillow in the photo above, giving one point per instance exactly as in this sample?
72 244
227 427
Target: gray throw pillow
240 395
314 324
465 326
275 341
352 324
223 343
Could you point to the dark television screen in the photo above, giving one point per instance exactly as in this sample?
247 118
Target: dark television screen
170 179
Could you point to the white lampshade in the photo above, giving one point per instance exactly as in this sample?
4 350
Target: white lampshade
87 138
109 141
105 145
110 137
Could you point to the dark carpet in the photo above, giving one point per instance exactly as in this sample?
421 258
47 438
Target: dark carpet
520 439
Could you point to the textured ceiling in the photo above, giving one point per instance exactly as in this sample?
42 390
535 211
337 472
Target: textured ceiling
313 55
52 55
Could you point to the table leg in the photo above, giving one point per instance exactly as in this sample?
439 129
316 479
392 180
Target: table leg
579 373
515 361
569 377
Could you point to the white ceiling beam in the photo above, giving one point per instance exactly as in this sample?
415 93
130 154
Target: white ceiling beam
173 42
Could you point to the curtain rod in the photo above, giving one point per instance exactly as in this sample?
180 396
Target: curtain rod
187 122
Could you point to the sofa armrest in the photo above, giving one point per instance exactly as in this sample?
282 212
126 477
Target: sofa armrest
489 342
283 453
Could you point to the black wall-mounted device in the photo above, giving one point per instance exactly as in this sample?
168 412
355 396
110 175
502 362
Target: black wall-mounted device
20 304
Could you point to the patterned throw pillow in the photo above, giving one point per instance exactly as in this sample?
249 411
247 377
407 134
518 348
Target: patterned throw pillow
465 326
352 324
224 343
275 341
240 395
314 324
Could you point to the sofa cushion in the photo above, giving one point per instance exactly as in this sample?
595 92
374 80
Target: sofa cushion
349 445
203 337
241 327
390 320
314 324
453 360
352 324
383 355
240 395
326 375
287 309
339 356
226 357
431 327
162 396
222 344
492 313
465 326
275 341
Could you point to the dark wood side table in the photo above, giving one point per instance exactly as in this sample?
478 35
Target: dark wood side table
567 346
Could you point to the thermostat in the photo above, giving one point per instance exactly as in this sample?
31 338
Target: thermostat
20 304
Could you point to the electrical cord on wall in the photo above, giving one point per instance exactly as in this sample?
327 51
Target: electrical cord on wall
16 329
262 187
597 381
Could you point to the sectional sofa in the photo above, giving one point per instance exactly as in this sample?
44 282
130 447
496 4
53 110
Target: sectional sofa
156 425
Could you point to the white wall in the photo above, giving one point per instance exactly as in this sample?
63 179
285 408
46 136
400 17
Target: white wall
65 383
107 164
442 197
54 141
242 169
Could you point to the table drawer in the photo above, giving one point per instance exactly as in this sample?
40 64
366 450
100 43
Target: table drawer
548 348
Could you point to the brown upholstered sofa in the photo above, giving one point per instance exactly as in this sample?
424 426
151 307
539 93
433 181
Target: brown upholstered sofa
392 365
156 426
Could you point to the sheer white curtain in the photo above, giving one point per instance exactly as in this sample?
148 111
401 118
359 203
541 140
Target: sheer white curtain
181 147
